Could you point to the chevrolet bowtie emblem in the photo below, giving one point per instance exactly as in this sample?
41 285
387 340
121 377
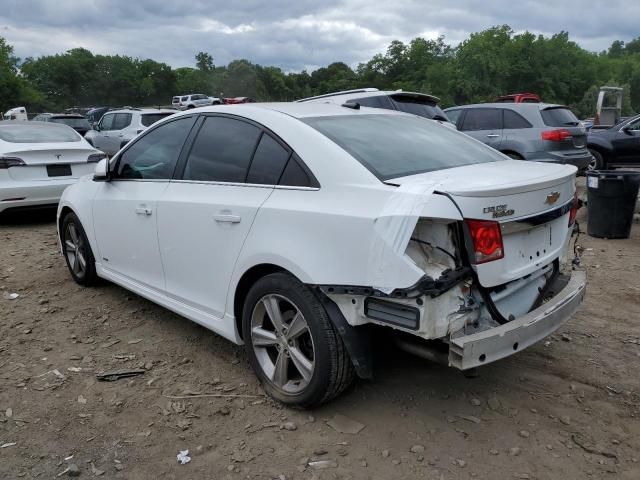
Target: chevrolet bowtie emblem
552 198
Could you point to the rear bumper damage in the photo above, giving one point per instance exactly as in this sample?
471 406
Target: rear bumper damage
481 348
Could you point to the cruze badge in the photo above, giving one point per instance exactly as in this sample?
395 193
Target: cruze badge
499 211
552 198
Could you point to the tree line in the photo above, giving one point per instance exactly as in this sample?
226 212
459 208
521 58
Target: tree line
489 63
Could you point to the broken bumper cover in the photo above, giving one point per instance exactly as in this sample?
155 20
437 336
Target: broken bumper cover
484 347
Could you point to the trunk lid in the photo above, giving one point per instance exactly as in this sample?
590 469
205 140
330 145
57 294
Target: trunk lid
45 161
528 199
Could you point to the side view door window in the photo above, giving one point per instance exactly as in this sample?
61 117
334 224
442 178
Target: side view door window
121 121
268 161
484 124
222 151
154 155
106 123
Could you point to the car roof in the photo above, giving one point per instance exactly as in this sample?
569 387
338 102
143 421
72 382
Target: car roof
295 110
142 110
511 106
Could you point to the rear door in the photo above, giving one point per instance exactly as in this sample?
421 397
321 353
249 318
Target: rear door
484 124
125 209
206 215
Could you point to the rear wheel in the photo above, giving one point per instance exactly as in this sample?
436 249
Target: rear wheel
77 251
598 161
291 343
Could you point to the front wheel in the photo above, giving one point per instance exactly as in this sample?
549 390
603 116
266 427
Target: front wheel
597 163
77 251
291 343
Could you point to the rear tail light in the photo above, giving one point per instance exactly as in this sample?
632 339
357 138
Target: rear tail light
487 240
8 162
95 157
559 135
574 209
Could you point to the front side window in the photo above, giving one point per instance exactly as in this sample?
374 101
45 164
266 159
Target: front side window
378 101
222 151
454 116
154 155
121 121
482 119
107 122
268 161
393 146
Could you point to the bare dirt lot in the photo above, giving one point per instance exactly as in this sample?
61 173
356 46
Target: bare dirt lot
564 409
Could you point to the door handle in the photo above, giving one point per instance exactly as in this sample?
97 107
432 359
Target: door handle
227 218
143 211
493 135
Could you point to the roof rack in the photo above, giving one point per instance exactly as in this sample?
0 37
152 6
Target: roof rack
343 92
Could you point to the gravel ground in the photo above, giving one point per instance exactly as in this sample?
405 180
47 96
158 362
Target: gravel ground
566 408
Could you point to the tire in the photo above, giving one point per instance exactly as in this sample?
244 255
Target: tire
75 247
598 162
322 372
515 156
190 107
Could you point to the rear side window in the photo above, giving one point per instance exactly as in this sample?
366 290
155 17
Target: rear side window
268 161
149 119
222 151
380 101
393 146
154 155
559 117
295 175
482 119
121 121
515 120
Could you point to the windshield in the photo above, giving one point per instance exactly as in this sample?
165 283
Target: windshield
37 134
393 146
72 122
422 108
559 117
149 119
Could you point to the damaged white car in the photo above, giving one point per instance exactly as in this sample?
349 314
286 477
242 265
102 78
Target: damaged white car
292 228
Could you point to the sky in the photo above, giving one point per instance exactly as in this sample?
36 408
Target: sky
293 34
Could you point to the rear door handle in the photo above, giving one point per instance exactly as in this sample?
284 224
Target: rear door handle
493 135
227 218
144 211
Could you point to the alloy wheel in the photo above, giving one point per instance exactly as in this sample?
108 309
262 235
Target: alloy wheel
282 343
74 250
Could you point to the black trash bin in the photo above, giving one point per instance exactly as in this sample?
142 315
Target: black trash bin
611 199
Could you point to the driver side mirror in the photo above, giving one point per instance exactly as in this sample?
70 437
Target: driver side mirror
101 173
96 126
628 130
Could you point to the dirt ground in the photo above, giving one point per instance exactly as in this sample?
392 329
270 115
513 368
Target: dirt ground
564 409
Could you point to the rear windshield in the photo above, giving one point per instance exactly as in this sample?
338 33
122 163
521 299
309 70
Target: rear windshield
149 119
72 122
423 108
37 134
559 117
393 146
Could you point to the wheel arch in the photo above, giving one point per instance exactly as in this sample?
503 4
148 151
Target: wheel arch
508 151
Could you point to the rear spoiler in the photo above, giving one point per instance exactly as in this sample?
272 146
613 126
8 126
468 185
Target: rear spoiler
416 96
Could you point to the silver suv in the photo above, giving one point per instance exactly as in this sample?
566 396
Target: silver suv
194 100
526 131
419 104
117 127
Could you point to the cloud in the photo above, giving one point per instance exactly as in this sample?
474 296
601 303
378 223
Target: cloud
291 35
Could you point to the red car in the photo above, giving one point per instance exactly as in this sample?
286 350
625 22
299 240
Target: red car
234 100
519 98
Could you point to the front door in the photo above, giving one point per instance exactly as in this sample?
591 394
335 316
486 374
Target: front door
206 216
125 209
627 143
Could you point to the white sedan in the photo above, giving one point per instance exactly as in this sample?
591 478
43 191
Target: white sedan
38 161
296 228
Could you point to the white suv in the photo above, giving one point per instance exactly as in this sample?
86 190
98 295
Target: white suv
194 100
420 104
296 228
117 127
